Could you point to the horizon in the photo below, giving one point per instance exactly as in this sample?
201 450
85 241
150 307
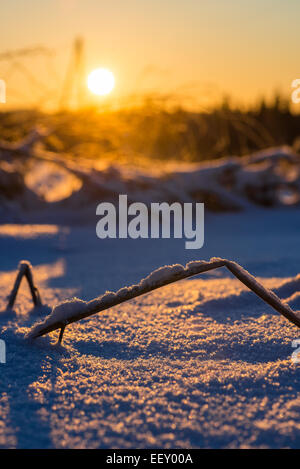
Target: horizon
198 53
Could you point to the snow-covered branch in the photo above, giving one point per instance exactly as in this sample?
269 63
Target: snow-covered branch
73 310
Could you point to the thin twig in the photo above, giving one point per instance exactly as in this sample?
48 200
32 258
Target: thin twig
25 269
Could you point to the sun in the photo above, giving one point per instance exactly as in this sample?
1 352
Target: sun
101 81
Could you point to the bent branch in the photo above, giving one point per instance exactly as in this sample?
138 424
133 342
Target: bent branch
25 269
74 310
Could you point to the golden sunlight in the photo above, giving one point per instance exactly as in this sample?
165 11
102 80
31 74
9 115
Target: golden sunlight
101 81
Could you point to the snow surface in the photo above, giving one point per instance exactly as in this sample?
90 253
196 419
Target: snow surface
198 363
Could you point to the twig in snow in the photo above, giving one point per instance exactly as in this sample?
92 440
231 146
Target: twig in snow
25 269
74 310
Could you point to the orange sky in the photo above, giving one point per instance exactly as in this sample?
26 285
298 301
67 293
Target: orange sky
193 48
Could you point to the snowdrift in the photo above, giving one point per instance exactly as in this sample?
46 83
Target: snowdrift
267 178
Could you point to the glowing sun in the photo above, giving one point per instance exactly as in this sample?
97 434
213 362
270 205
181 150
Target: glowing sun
101 81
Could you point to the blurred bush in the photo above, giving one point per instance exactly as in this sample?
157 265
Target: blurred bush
153 131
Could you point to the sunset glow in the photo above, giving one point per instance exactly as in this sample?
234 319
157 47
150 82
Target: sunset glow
101 81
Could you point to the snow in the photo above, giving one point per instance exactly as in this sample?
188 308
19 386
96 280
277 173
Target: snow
161 274
63 310
202 362
199 363
52 185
